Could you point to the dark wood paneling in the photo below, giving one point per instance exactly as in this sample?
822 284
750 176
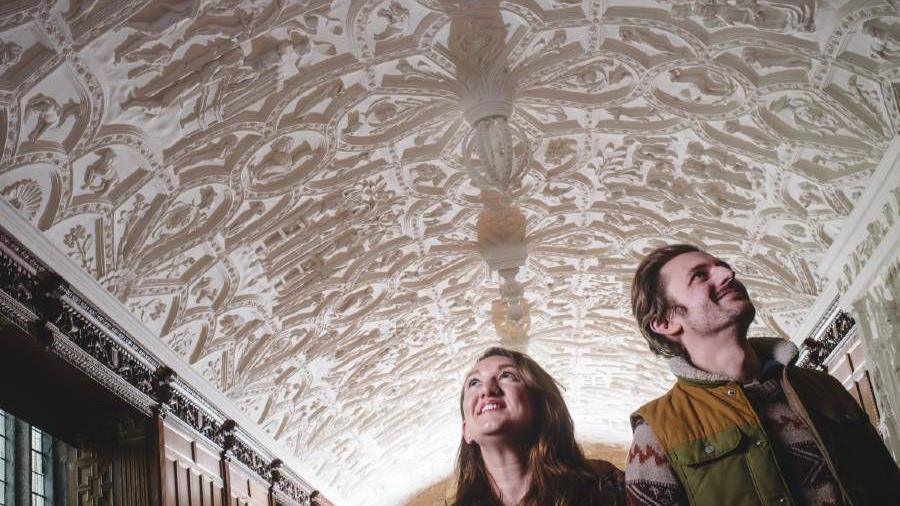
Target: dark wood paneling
246 489
192 470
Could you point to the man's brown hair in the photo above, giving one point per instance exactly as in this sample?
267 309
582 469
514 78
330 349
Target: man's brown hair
649 299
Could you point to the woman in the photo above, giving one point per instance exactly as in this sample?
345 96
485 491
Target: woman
518 446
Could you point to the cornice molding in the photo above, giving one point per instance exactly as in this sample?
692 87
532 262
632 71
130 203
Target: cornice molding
867 209
85 299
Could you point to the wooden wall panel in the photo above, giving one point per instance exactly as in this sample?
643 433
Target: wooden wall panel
849 364
246 488
192 473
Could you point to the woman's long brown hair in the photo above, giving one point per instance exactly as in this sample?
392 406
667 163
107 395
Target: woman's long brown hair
560 474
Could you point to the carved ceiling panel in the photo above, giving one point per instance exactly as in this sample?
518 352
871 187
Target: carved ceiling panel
277 188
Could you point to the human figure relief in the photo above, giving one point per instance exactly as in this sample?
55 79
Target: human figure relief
50 115
101 175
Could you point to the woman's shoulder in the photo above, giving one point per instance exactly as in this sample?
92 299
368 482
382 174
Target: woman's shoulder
612 481
603 467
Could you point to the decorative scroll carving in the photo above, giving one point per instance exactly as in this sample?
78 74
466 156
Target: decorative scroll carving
273 187
816 350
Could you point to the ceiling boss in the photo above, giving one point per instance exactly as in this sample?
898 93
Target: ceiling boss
496 154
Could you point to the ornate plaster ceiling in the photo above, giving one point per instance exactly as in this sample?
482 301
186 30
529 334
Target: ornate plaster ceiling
276 188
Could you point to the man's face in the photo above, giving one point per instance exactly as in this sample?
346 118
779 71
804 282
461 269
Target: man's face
496 401
710 298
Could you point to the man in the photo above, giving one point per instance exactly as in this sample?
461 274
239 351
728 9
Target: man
742 425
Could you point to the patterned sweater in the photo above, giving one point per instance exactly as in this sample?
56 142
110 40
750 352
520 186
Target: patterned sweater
651 482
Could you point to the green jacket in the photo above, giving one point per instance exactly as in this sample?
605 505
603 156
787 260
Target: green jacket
719 450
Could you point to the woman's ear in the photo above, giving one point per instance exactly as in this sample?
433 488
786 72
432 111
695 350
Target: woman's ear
466 436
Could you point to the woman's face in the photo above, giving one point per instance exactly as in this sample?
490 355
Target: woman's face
496 402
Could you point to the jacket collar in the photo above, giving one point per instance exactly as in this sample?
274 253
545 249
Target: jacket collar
780 350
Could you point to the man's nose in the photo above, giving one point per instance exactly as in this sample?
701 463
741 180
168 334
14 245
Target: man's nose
723 274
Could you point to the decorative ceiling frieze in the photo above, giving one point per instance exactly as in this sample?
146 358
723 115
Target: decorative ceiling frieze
278 189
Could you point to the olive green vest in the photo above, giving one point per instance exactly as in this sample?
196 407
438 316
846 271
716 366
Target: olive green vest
718 449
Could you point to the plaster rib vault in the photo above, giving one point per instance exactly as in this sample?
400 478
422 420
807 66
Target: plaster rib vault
277 188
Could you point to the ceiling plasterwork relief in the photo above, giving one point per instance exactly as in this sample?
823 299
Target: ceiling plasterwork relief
279 190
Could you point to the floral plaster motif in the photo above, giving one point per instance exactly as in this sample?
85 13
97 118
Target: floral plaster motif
278 189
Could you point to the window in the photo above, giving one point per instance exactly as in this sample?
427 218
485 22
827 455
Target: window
4 460
38 468
27 452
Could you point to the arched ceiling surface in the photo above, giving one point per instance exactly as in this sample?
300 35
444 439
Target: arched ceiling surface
276 188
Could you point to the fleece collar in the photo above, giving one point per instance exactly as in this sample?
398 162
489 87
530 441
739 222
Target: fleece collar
767 348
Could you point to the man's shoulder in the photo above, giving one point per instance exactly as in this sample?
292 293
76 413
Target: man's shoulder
651 406
820 389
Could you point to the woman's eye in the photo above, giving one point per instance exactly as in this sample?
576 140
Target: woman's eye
472 382
507 374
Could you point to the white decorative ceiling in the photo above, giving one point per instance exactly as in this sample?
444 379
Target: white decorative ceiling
277 188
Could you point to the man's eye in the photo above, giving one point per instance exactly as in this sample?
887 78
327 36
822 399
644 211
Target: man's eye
507 374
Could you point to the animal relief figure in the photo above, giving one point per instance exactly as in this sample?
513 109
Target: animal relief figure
205 290
50 115
101 175
701 85
182 216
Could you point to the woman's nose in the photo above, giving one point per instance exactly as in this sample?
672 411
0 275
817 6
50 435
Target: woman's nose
491 387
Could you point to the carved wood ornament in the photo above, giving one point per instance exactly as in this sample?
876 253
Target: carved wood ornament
279 188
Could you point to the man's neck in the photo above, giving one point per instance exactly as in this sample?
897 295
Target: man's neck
508 468
727 356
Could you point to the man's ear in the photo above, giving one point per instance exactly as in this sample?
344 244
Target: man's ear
669 327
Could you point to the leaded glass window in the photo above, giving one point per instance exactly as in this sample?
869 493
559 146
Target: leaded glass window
4 458
39 464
